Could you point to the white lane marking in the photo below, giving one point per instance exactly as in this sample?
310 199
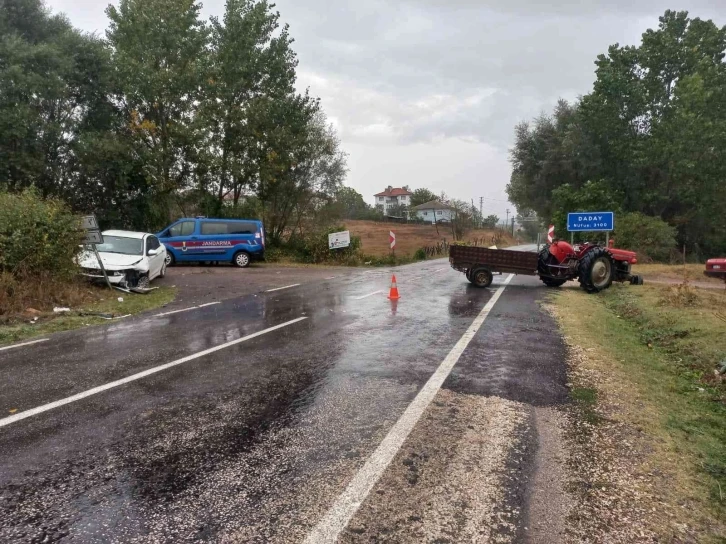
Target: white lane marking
281 288
329 528
138 376
24 344
331 278
368 295
424 275
187 309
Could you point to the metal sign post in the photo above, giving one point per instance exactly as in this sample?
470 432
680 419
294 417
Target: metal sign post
93 237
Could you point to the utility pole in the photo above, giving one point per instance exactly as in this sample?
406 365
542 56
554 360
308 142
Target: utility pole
481 206
506 223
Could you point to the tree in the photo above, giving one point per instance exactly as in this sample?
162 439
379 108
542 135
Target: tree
490 221
530 224
249 60
351 204
301 165
47 94
651 135
159 55
421 196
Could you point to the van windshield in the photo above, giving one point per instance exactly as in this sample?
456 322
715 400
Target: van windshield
122 245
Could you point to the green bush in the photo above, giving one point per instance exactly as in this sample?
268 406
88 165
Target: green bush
420 254
37 236
313 248
650 237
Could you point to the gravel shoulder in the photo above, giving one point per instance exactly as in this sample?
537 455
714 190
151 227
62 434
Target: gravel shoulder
633 472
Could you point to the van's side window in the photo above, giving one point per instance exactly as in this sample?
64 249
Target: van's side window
213 227
185 228
241 227
231 227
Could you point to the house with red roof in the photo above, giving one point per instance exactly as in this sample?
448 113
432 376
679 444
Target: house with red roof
392 198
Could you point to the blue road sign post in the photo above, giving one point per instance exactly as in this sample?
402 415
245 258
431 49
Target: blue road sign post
590 221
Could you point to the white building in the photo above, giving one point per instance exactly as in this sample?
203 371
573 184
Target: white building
435 211
392 198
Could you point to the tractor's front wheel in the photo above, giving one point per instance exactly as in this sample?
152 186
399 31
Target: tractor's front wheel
597 270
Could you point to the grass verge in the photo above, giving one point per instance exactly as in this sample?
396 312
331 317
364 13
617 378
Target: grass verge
108 304
646 368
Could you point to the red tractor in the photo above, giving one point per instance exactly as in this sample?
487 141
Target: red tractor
594 266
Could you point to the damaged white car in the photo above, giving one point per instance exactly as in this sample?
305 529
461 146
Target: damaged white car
131 259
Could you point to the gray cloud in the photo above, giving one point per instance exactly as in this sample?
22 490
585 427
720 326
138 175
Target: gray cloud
430 90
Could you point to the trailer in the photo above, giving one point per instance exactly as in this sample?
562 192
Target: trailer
594 266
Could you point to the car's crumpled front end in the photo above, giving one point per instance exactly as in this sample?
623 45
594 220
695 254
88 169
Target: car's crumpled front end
122 270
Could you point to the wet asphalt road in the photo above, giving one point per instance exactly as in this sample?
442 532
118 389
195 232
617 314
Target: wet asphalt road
254 442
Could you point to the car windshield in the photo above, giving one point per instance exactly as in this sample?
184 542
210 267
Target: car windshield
122 245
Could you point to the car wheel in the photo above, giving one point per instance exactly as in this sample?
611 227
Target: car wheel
143 282
241 259
162 274
169 259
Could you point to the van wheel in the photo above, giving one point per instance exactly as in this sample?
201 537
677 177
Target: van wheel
241 259
169 259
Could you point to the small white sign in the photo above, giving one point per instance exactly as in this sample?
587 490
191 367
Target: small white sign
339 239
93 237
89 222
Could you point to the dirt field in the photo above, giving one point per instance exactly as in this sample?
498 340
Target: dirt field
409 238
669 273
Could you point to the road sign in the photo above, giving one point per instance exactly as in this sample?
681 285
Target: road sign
392 239
89 222
93 237
590 221
551 234
338 240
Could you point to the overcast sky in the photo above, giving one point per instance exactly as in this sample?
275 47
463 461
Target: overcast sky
426 93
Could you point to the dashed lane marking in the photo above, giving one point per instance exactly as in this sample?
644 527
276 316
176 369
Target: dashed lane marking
368 295
281 288
24 344
329 528
187 309
101 388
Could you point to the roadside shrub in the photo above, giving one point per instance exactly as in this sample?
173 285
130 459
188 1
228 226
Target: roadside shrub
420 254
41 292
650 237
313 248
37 236
679 296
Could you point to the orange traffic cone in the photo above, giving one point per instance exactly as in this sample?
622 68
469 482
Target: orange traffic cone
393 295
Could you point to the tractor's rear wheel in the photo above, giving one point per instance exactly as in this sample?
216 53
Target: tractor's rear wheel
481 277
597 270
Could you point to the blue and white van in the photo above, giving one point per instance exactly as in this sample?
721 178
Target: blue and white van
236 241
